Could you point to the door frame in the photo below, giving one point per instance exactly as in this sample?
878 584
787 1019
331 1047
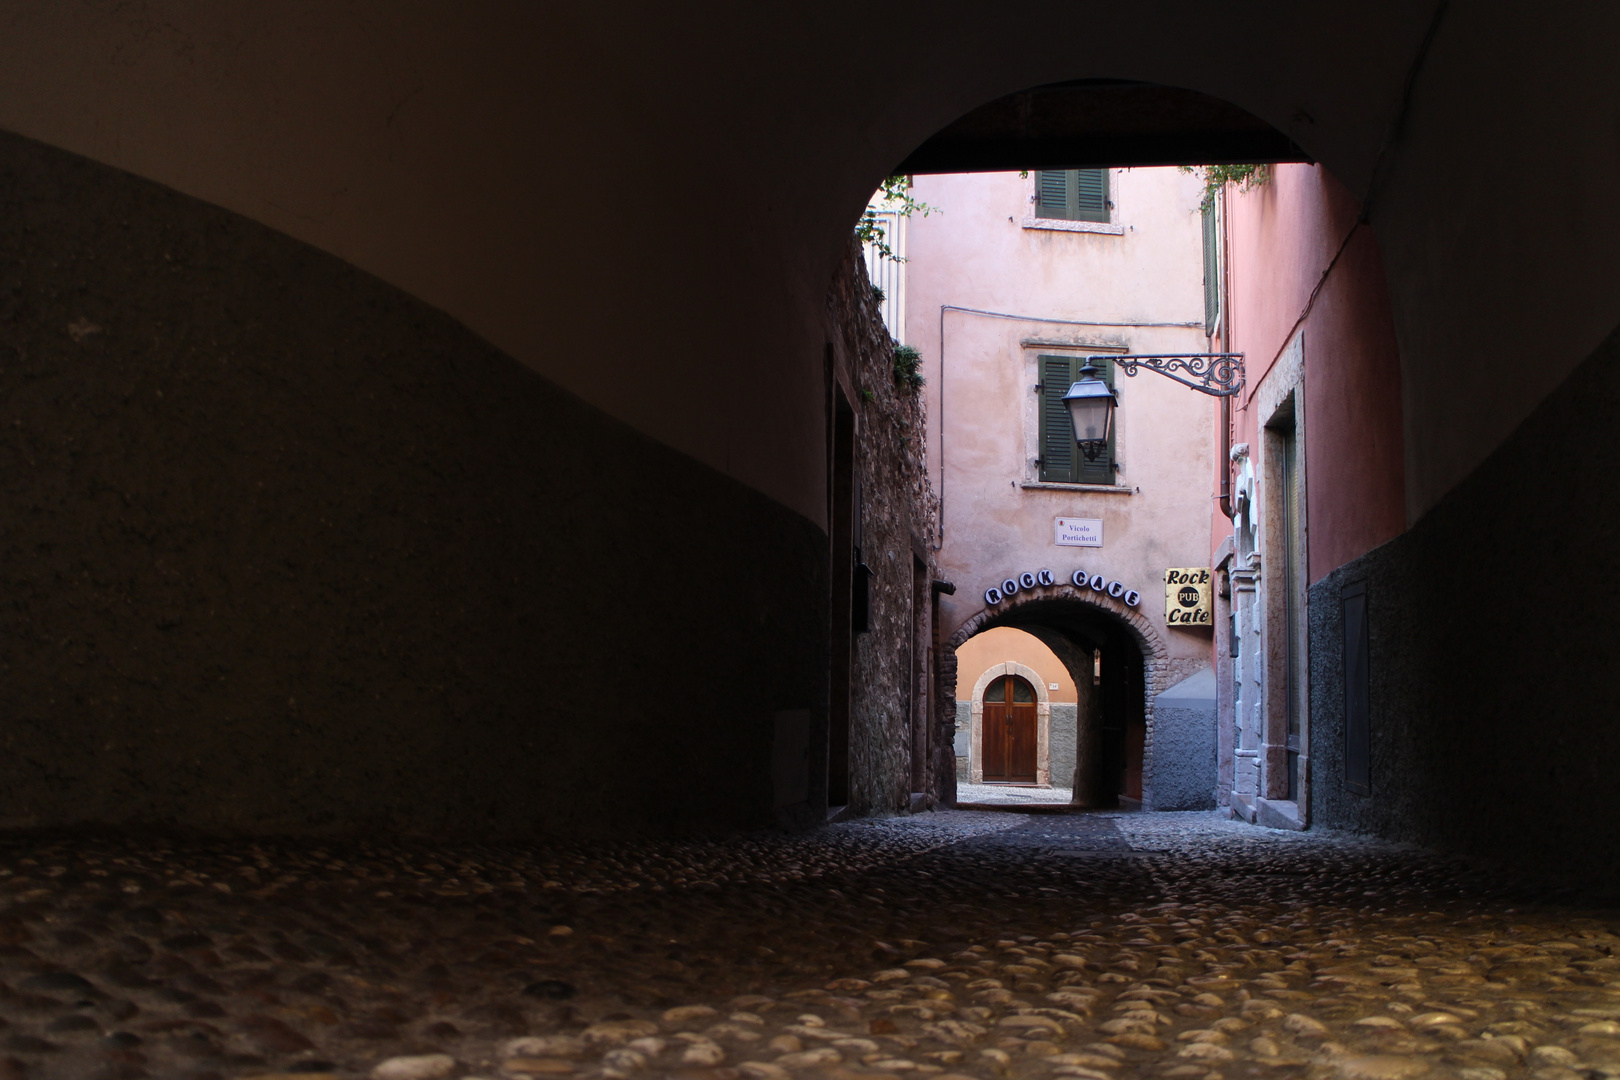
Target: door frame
1043 722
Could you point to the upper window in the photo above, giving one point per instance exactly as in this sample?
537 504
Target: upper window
1072 194
1061 459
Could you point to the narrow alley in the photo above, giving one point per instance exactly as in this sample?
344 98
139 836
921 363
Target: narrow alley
955 943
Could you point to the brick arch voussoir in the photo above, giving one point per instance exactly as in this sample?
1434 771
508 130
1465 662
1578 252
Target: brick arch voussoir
1146 635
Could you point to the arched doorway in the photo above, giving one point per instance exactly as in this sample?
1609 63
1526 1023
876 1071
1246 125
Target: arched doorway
1008 731
1117 661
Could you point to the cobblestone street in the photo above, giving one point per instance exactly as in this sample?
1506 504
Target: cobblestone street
953 944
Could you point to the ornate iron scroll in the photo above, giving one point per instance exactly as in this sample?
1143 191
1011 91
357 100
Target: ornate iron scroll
1216 374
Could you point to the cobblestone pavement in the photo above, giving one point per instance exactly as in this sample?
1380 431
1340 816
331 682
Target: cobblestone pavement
950 945
1003 794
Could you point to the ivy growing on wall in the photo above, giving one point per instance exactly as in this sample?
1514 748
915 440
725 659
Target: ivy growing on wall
892 196
1216 177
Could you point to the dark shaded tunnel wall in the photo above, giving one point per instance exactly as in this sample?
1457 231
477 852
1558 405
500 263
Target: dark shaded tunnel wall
1492 633
287 550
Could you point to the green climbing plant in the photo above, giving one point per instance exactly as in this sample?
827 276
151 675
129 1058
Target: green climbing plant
1216 177
907 362
893 195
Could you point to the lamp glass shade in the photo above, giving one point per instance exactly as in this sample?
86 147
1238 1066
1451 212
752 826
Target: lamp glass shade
1091 408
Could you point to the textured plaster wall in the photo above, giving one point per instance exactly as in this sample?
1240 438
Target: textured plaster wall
1184 745
1305 274
1491 625
1003 643
897 522
287 550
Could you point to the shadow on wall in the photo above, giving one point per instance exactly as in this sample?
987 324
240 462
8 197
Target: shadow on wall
1493 634
287 550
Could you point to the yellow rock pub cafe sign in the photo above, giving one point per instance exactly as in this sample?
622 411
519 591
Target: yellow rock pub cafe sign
1187 599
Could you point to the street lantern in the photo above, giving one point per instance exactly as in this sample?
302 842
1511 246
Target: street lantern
1091 408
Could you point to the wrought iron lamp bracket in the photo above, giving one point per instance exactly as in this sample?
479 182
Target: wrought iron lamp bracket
1215 374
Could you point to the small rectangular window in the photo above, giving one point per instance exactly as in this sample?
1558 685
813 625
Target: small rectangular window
1072 194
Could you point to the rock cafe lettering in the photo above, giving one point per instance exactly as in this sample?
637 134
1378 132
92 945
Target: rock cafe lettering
995 594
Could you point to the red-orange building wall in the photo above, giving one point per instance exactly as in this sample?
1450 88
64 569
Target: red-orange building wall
1297 262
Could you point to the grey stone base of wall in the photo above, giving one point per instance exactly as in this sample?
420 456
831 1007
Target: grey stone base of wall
1493 726
1183 768
1062 742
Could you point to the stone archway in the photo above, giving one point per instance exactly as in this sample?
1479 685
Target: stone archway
1031 609
1043 721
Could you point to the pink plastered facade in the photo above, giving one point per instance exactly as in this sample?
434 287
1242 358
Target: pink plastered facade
1314 461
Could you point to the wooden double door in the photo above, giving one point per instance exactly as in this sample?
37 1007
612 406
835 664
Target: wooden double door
1008 732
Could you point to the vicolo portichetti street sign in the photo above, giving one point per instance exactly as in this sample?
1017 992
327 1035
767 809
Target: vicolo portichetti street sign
1077 532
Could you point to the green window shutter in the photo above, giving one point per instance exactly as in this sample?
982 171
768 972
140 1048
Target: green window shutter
1072 194
1212 272
1058 451
1090 188
1100 471
1051 193
1061 460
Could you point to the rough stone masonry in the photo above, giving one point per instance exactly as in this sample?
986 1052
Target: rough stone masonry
897 519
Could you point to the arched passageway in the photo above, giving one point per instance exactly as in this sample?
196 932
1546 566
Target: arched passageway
1114 709
380 435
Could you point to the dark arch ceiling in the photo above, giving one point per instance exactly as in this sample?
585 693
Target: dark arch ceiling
1090 123
1084 624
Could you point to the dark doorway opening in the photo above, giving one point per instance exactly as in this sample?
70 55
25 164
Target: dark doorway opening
1120 690
841 638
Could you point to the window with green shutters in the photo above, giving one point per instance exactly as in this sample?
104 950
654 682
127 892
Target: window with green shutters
1212 271
1072 194
1061 459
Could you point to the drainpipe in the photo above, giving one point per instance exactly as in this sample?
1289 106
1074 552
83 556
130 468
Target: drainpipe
1226 344
1226 458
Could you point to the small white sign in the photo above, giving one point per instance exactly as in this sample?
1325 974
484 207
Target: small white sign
1078 532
